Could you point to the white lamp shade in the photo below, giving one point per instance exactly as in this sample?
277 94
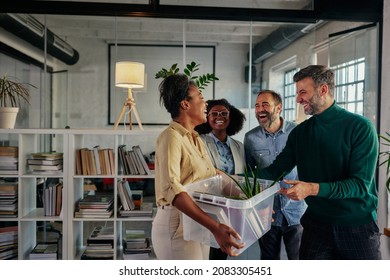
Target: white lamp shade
129 74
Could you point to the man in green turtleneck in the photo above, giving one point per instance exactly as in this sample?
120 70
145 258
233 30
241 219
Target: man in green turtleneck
336 154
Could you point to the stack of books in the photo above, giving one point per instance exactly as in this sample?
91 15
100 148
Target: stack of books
125 195
132 202
46 162
132 162
52 199
136 245
9 242
45 251
96 161
95 206
8 160
100 244
146 211
8 199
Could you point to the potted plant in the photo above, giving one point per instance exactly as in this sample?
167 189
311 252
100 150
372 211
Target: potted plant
249 184
384 157
201 80
12 94
244 203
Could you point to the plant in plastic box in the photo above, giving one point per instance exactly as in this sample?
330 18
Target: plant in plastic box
223 199
249 185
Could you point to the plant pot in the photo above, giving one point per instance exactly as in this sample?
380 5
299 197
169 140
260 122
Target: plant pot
8 117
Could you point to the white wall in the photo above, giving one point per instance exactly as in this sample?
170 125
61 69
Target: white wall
87 85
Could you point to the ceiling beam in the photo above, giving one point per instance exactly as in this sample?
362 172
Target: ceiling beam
346 10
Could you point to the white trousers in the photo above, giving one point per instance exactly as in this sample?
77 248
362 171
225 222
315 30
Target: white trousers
167 237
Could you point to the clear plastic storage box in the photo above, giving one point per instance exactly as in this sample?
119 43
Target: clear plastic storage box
251 218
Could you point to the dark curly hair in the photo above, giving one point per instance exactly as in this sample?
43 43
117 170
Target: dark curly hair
237 118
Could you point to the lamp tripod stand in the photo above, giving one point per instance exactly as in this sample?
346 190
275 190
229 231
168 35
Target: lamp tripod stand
131 106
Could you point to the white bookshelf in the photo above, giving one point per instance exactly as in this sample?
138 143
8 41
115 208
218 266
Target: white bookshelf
67 141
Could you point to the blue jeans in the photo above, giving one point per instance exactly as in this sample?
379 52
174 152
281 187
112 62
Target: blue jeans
337 242
271 242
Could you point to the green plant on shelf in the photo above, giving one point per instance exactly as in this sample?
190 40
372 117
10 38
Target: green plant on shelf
12 92
201 81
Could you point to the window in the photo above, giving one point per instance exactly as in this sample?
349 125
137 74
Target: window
289 103
349 85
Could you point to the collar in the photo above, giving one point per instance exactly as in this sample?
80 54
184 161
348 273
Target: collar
329 114
216 140
281 130
181 129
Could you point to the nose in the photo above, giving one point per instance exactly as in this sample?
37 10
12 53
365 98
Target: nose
298 98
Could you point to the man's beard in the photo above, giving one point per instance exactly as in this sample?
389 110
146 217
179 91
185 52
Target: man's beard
315 104
270 119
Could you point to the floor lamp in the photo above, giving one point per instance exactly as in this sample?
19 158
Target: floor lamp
129 75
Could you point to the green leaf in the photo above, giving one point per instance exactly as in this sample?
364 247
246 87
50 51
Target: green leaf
201 81
278 179
234 180
257 184
248 187
12 92
187 72
173 67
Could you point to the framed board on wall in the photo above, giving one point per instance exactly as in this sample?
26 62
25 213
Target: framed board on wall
155 57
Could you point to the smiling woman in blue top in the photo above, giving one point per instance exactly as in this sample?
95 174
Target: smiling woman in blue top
227 154
336 154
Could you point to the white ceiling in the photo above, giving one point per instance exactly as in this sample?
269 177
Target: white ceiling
131 29
158 30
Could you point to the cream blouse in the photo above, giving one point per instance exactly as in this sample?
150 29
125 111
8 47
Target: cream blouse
181 159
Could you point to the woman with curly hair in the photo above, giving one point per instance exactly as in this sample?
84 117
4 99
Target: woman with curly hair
227 154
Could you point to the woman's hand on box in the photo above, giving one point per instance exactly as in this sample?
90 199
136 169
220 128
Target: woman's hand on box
227 239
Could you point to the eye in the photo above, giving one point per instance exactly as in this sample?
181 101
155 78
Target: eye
215 114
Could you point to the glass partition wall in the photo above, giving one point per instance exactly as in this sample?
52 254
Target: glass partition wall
72 67
76 85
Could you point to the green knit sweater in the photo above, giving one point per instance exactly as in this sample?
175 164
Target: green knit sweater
338 150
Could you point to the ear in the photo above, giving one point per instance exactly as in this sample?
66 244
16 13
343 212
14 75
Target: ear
184 104
279 107
324 89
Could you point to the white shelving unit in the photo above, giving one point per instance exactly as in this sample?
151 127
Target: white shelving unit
74 230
